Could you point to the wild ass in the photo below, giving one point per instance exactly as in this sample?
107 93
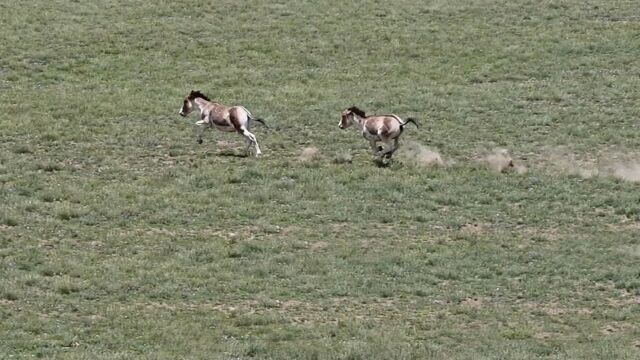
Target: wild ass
385 128
221 117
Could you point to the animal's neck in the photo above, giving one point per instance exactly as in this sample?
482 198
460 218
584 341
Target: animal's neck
200 103
358 120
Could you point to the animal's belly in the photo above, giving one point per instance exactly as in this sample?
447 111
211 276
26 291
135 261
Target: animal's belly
369 136
225 127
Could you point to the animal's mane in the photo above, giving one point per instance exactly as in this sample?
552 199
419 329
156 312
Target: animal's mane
357 111
197 94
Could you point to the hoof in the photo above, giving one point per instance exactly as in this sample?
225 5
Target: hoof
379 162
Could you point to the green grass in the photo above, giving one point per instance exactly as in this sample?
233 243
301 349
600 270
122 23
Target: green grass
121 237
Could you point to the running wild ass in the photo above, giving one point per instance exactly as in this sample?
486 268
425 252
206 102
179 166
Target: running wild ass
221 117
385 128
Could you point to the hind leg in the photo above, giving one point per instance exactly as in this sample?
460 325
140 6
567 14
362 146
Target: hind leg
392 146
251 140
396 144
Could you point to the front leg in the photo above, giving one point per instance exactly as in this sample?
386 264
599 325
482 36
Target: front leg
199 130
374 147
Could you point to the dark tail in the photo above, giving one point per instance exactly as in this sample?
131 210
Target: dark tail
409 120
261 122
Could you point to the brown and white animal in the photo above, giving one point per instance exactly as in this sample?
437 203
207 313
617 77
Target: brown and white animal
385 128
221 117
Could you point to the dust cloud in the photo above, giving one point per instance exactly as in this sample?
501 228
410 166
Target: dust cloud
622 166
499 160
420 155
629 171
309 154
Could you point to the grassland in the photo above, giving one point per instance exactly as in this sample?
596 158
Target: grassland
121 237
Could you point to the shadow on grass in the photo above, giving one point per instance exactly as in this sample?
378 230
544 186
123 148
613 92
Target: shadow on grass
382 162
231 153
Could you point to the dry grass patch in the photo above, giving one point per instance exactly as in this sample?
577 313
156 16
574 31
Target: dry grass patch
226 144
546 234
475 229
618 327
320 245
474 303
554 309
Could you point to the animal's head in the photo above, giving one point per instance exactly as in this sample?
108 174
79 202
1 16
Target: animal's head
188 102
347 117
